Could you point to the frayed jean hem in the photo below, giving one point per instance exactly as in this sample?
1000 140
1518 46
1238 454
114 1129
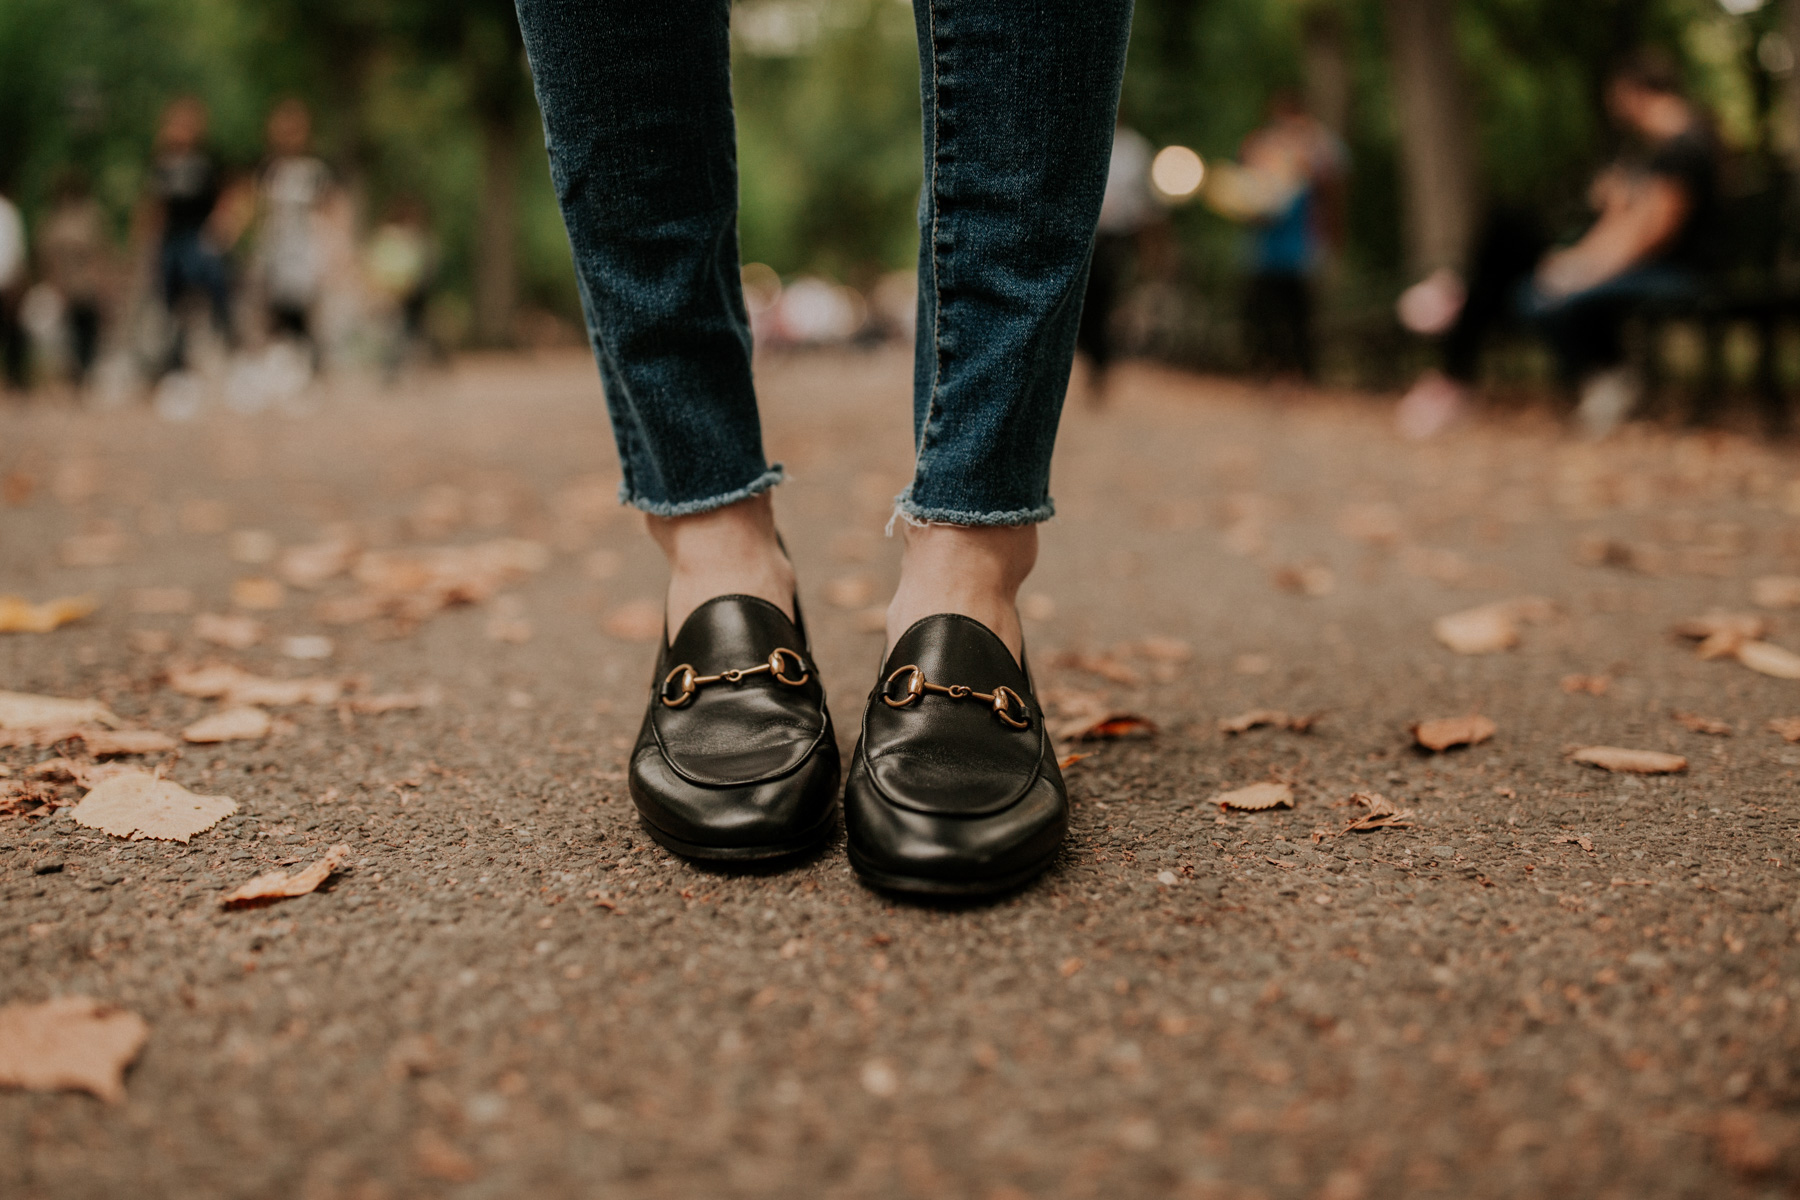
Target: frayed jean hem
913 513
687 508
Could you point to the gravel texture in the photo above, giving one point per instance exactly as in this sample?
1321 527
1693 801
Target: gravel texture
509 991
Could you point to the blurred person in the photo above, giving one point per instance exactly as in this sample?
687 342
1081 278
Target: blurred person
293 192
400 263
14 361
1302 164
72 253
1654 207
1127 210
953 788
190 229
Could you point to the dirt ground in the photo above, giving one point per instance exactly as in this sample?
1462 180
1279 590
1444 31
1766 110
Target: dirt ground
1554 981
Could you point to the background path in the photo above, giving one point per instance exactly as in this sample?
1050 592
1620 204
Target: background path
1556 981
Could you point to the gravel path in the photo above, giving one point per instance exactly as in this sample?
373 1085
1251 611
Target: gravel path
1554 981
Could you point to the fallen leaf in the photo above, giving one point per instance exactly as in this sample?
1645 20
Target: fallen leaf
278 885
1257 717
1107 668
1640 762
1700 724
208 680
235 632
1256 798
850 591
1575 839
1767 658
1069 760
396 701
281 693
1110 728
1643 557
23 711
1379 813
136 804
308 647
1593 685
1485 630
85 774
414 584
1787 727
105 742
18 615
635 621
1445 732
1775 591
259 593
313 565
230 725
70 1043
1720 633
1306 579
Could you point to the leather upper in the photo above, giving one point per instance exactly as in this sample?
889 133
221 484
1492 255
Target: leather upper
742 766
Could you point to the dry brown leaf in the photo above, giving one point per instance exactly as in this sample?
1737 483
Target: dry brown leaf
105 742
413 584
1643 557
1306 579
1379 813
259 593
1111 727
1575 839
313 565
278 885
348 610
1099 664
1256 717
395 701
1700 724
280 693
23 711
1256 798
635 621
1766 658
230 725
19 615
1787 727
1720 633
1640 762
1485 630
1445 732
70 1043
136 804
1593 685
236 632
1775 591
1069 760
162 601
85 774
208 680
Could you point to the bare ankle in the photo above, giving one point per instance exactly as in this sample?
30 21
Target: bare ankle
973 570
725 551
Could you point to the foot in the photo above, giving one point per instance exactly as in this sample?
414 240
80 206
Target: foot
728 551
1608 398
975 570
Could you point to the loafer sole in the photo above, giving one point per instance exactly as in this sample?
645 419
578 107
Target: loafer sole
799 843
925 885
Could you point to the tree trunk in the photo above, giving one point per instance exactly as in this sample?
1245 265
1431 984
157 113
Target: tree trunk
1436 137
1325 66
496 259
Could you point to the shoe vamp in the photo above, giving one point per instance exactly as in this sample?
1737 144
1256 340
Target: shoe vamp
950 776
743 738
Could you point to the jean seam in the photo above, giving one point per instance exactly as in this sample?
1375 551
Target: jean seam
682 508
937 294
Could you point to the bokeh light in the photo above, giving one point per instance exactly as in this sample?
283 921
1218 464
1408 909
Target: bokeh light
1177 172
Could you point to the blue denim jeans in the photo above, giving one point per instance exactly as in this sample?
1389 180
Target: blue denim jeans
1018 104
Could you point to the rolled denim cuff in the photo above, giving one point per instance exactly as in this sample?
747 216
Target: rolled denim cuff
687 508
913 513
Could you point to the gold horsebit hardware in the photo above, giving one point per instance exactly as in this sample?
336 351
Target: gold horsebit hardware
1004 701
684 678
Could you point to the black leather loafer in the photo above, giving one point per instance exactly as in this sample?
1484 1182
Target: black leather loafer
736 760
954 788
